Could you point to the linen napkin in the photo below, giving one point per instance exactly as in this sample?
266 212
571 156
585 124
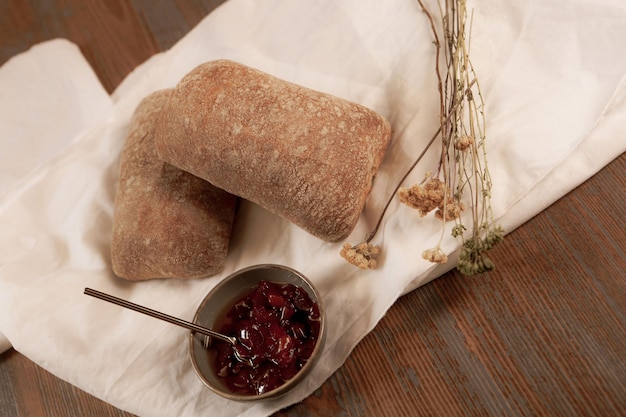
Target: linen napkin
556 102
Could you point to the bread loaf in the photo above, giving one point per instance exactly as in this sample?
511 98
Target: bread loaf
307 156
167 223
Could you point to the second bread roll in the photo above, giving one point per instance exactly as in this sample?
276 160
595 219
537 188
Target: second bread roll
167 223
307 156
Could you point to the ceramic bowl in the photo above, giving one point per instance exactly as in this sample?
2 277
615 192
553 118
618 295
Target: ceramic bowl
220 299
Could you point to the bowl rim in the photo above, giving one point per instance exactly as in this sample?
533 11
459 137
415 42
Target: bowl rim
291 383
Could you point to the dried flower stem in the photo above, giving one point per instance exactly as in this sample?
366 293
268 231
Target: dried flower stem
371 235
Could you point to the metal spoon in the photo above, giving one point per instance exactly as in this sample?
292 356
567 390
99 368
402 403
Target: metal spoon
173 320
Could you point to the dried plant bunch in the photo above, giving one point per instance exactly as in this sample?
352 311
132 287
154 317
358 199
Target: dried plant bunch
461 180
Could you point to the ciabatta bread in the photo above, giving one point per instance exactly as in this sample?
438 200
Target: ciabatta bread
167 223
307 156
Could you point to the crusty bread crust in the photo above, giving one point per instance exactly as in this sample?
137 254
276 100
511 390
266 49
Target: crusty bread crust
167 223
307 156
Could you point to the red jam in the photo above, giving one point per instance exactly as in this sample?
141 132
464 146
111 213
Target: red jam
277 326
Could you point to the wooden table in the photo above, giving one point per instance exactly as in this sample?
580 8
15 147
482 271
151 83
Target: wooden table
543 335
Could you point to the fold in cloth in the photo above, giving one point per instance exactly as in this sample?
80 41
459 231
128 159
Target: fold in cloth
556 104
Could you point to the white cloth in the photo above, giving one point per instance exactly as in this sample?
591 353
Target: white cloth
555 89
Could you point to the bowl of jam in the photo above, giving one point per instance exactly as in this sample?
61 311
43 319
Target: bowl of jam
274 313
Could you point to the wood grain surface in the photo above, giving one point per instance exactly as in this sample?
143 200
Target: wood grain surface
543 335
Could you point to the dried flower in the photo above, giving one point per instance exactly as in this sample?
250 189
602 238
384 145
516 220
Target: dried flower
473 260
463 142
453 209
435 255
362 255
494 236
423 198
458 230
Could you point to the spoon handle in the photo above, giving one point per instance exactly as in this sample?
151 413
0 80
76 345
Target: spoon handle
157 314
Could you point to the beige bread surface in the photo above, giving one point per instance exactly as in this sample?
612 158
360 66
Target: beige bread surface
167 223
307 156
